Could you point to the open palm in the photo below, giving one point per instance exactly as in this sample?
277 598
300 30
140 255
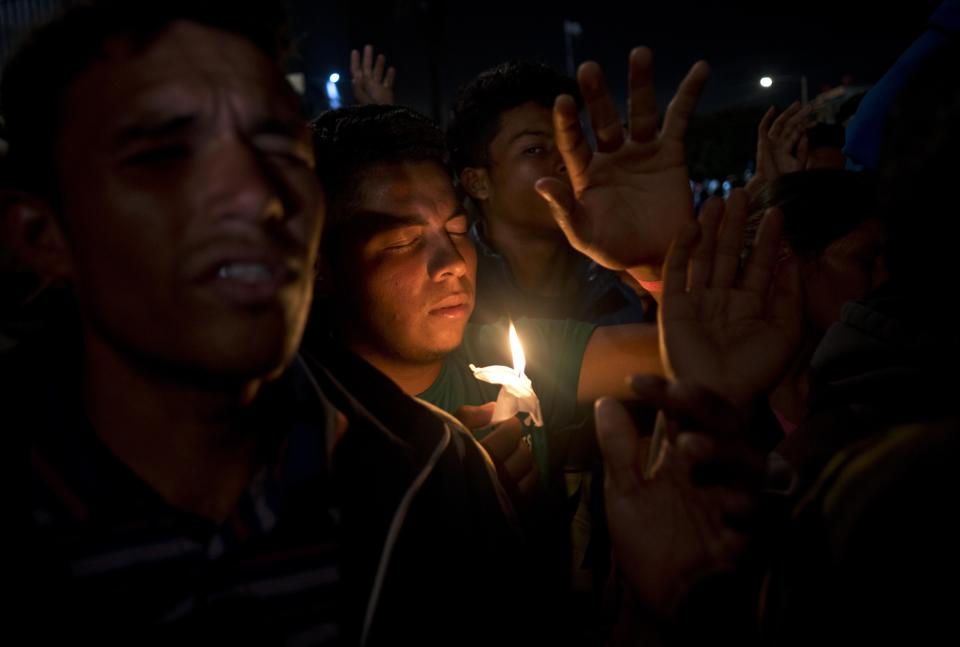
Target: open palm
734 335
626 201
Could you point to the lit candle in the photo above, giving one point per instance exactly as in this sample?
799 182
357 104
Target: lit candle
516 391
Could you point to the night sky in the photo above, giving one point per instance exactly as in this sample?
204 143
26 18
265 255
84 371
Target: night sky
442 45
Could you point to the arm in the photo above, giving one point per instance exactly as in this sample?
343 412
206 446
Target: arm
612 355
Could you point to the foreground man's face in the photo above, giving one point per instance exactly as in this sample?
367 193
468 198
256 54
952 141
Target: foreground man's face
411 267
190 204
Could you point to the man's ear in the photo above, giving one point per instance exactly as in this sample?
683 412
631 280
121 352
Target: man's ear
476 182
34 235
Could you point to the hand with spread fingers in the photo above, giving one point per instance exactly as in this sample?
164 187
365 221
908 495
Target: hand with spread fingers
511 454
733 332
782 143
625 201
685 522
371 84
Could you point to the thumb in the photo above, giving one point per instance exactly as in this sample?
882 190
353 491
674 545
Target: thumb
559 195
475 417
620 445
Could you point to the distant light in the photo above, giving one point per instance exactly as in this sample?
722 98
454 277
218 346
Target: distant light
334 78
766 82
333 96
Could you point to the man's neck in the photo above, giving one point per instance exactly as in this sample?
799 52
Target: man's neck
412 378
187 442
542 263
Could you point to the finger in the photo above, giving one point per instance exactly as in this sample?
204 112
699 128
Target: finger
763 258
681 109
503 440
766 122
780 123
367 60
520 462
355 71
792 134
571 142
678 257
603 113
378 68
559 196
529 483
390 77
701 263
620 445
730 240
644 118
475 417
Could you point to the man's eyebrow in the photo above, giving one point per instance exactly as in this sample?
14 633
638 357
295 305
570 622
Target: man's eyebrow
374 221
148 128
532 132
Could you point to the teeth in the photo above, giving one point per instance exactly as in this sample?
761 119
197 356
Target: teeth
251 272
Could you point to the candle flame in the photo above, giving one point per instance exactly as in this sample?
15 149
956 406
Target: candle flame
519 360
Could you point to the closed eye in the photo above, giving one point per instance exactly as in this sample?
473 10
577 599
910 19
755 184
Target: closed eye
157 155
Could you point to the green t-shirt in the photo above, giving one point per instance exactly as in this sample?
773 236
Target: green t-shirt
554 352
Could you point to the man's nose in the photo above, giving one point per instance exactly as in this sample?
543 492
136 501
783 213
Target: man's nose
445 260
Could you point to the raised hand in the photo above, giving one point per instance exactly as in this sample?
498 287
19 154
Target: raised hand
626 201
782 142
371 85
733 334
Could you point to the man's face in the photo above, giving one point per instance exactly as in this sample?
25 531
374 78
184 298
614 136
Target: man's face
522 152
189 204
409 267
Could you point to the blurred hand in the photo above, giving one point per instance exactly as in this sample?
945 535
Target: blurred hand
782 143
686 521
370 84
506 446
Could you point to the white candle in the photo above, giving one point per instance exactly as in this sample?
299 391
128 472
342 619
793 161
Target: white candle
516 391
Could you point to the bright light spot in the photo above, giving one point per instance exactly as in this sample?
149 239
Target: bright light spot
334 78
766 82
333 95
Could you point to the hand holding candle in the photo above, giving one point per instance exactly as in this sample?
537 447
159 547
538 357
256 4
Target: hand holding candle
516 392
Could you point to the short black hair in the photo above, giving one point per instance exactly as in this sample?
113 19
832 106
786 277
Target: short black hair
58 51
819 206
475 118
348 141
918 170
